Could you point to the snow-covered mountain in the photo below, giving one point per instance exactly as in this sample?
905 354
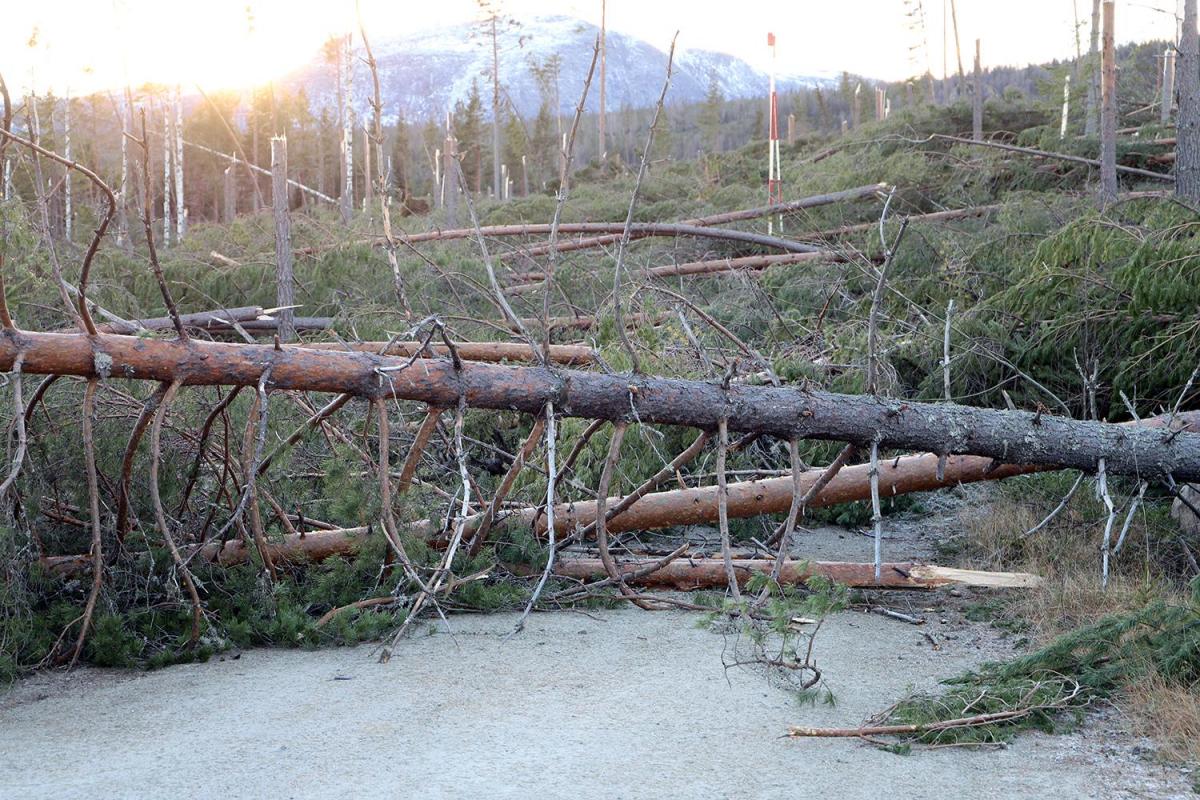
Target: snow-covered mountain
423 74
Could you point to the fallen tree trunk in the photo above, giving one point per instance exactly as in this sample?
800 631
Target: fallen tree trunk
666 509
936 216
200 319
858 193
1008 436
640 230
1029 151
271 325
568 354
532 281
684 574
583 323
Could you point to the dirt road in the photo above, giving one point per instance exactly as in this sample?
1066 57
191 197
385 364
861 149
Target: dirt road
621 704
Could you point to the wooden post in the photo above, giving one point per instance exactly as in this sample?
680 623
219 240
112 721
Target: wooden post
1108 109
284 289
1168 86
977 108
230 178
791 129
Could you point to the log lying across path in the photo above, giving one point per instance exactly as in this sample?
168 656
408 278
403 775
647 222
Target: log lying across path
1008 436
686 574
664 509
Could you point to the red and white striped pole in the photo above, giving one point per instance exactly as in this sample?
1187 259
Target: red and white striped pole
774 181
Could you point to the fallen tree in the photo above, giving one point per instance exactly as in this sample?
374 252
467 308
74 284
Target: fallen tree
532 281
568 354
639 230
936 216
689 574
1029 151
206 320
858 193
658 510
1016 437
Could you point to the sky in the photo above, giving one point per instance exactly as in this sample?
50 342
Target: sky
86 45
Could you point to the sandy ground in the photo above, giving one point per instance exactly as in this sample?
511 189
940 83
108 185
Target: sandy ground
621 704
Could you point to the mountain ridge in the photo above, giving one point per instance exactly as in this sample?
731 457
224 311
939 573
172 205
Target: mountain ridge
423 74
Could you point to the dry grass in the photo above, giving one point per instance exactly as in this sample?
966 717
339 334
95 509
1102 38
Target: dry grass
1168 714
1067 554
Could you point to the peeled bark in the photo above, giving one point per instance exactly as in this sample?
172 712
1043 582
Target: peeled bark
663 509
1010 436
709 573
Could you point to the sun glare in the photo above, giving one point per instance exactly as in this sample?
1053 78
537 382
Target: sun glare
224 44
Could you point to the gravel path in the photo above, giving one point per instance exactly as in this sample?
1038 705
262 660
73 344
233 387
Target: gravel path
621 704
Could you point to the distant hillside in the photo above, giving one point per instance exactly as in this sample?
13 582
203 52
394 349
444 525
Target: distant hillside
423 74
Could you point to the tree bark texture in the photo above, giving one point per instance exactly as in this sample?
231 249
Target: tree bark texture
1009 436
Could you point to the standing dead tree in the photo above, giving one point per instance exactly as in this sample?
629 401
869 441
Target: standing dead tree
1108 110
284 279
1187 165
